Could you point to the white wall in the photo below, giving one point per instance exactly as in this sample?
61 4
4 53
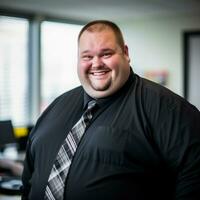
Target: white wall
158 44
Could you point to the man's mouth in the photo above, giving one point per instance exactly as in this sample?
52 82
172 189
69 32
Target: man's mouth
99 72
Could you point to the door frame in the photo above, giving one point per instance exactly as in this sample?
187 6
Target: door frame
187 35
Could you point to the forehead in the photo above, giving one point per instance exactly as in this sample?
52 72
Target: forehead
97 38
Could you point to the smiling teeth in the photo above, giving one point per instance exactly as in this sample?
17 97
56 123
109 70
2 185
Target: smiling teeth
98 73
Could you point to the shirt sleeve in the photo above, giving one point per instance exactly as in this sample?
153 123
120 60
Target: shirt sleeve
178 137
188 158
27 173
29 158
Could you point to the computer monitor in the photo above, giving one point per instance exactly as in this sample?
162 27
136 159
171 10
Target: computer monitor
6 133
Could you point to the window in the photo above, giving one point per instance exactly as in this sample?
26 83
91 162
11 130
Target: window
30 77
59 60
14 102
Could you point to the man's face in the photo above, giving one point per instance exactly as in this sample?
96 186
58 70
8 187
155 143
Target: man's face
103 67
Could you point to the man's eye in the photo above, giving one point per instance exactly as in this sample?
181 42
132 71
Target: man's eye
107 55
87 57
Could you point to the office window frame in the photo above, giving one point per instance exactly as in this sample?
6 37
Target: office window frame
18 17
34 55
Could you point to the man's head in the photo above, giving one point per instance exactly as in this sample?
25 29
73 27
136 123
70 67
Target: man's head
103 60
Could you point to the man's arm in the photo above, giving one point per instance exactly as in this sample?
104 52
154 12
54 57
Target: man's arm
180 145
27 173
188 172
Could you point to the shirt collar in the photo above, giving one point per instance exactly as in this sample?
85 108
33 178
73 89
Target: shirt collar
102 101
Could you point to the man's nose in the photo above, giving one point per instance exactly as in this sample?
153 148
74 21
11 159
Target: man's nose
96 61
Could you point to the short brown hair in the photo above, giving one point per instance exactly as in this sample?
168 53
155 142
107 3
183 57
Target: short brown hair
99 25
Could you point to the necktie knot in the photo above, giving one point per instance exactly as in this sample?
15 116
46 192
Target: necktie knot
91 104
88 113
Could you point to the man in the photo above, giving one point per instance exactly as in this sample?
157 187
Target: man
142 141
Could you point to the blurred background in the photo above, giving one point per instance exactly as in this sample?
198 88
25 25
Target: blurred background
38 52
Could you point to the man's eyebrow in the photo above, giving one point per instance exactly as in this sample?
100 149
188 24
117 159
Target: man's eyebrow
86 51
101 50
107 49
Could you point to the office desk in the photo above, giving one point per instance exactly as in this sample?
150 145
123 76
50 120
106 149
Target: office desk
10 185
10 177
5 197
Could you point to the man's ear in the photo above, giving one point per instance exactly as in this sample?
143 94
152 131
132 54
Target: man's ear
126 52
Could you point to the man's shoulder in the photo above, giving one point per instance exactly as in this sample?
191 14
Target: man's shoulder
157 94
65 103
153 88
73 92
66 100
69 98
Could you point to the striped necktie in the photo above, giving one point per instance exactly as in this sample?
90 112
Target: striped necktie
57 178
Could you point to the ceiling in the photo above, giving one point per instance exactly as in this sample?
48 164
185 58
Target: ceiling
117 10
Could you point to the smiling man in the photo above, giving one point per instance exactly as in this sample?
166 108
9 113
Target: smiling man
103 65
116 137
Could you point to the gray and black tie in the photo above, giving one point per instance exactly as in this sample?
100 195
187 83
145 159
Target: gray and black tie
57 178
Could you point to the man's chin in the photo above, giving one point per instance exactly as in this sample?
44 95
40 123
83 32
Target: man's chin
100 88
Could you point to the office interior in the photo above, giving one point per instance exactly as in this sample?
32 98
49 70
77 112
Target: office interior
38 57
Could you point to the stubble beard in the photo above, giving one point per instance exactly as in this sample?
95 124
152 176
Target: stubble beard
103 87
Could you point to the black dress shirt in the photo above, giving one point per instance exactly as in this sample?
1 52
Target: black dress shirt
143 143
